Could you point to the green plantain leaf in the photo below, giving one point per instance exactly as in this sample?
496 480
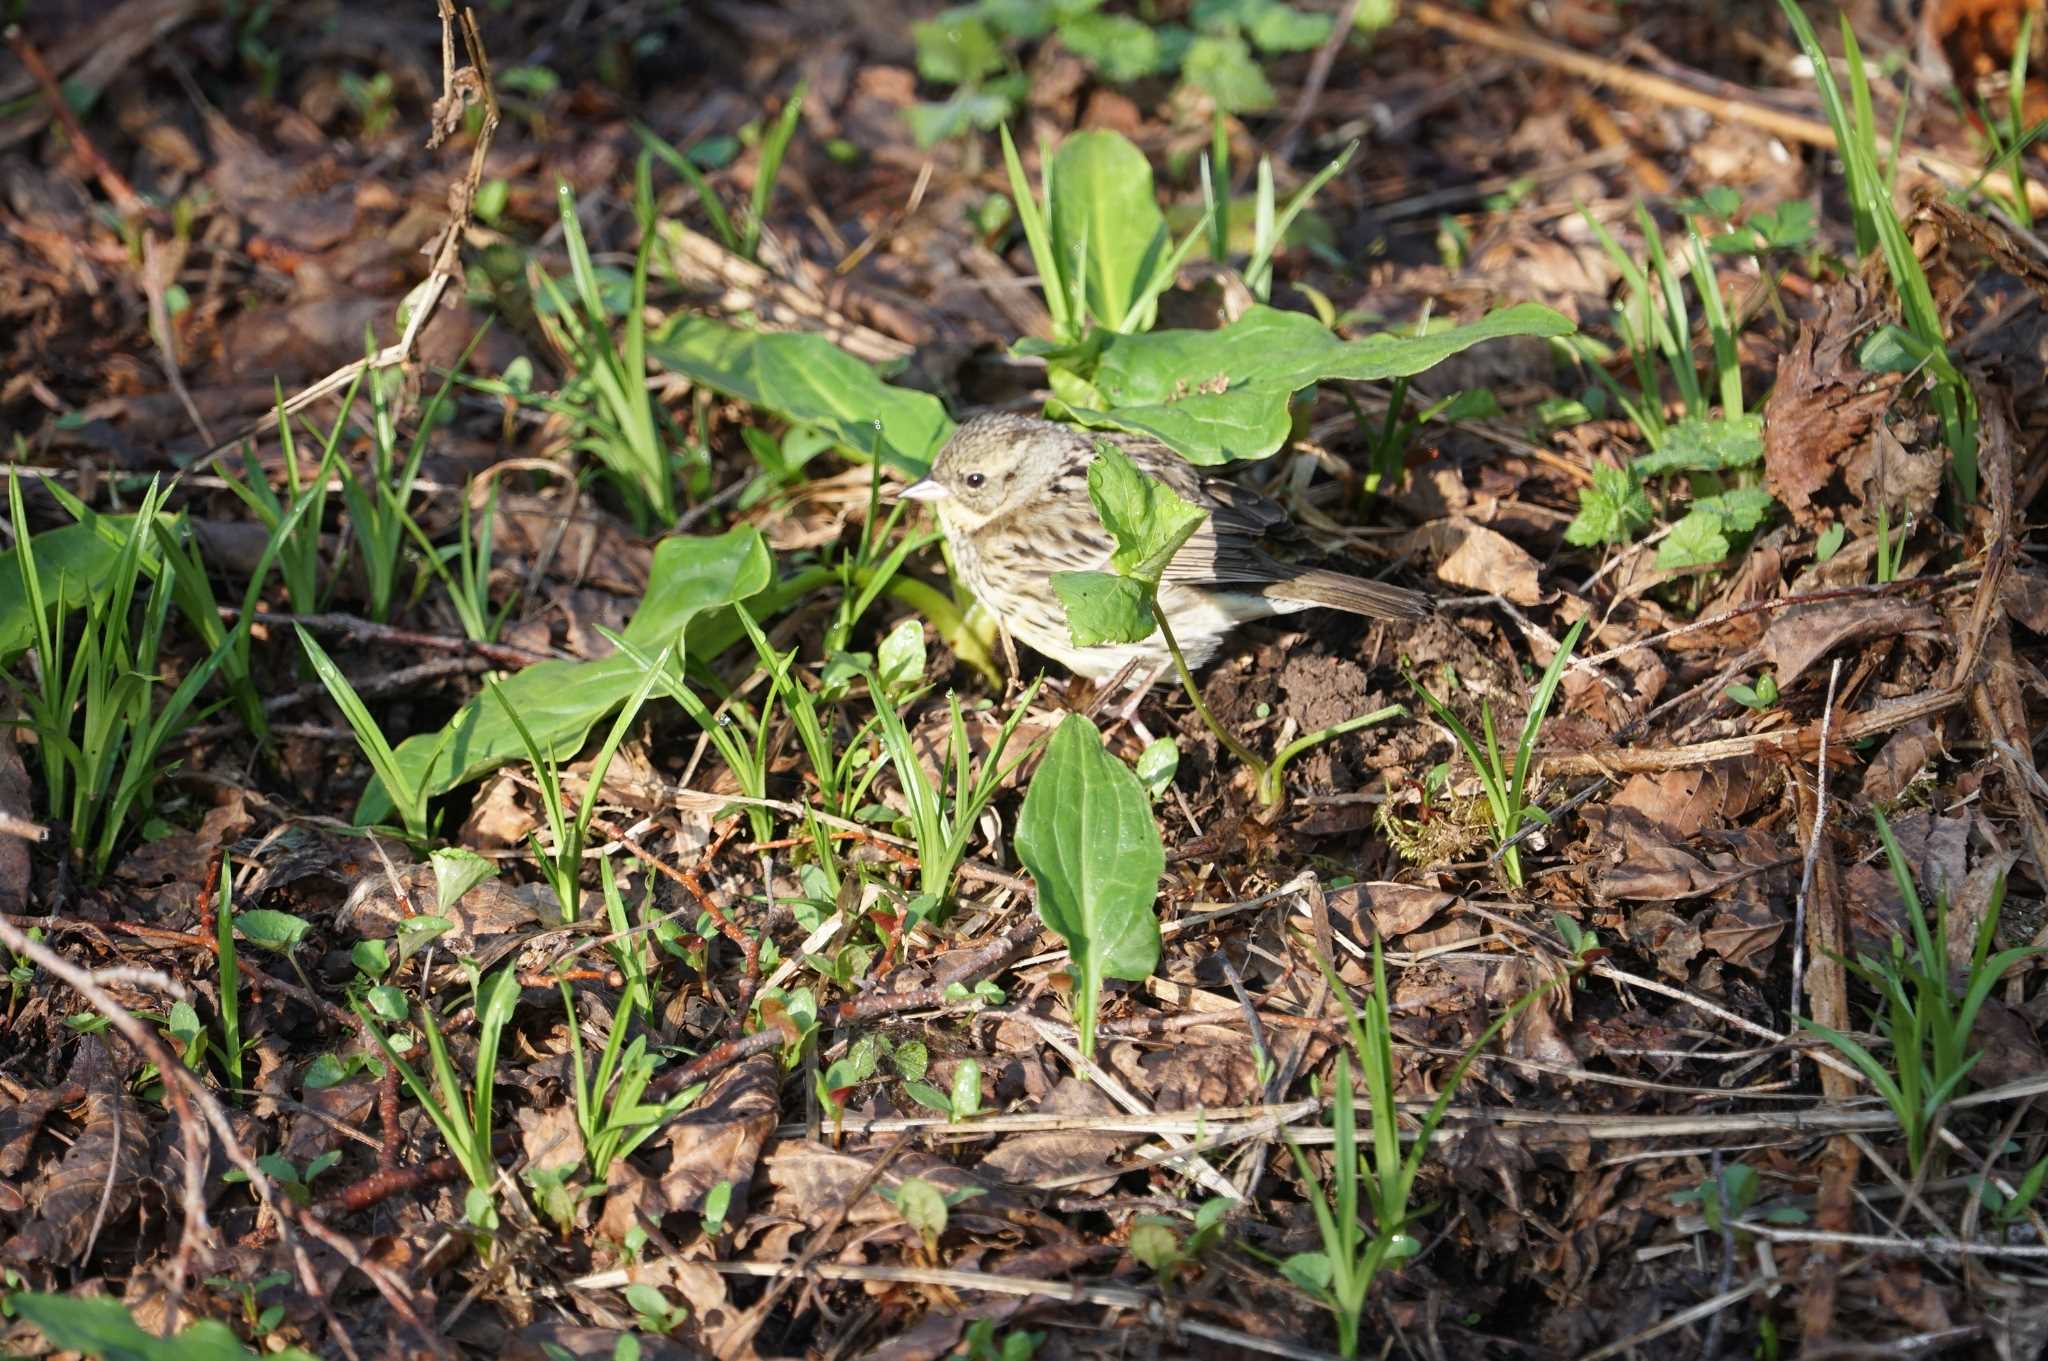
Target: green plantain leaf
1106 220
808 380
104 1329
1087 836
1221 395
691 581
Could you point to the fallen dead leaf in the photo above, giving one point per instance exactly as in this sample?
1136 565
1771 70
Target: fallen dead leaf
1803 635
721 1138
107 1162
1026 1159
1480 559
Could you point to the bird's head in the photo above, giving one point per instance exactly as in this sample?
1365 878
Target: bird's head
995 466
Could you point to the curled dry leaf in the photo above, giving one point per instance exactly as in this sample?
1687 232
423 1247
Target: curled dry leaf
1387 909
1671 938
1900 761
1028 1159
1803 635
1537 1032
721 1138
1823 406
810 1182
106 1163
550 1138
1471 555
21 1121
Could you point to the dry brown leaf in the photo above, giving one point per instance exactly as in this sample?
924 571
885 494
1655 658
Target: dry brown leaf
810 1182
1471 555
1026 1159
1536 1032
2026 600
721 1137
1804 634
550 1138
1823 406
1671 938
21 1121
1202 1076
105 1163
1899 762
1655 872
1386 908
1741 931
489 912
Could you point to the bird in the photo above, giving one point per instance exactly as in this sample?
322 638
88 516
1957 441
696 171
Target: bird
1011 494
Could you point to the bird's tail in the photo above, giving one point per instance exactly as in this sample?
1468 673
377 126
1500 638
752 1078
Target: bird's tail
1355 595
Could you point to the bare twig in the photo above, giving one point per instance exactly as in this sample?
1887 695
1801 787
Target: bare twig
1813 836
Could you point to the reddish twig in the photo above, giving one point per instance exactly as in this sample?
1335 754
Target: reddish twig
116 185
387 1119
209 894
385 1183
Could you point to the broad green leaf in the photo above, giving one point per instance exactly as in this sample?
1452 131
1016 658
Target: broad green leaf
922 1205
1028 18
1740 510
1087 837
1695 541
1106 221
911 1060
1147 518
416 933
808 380
270 930
690 582
1103 607
1700 445
1611 510
964 1095
1309 1270
371 957
1891 348
325 1071
1120 47
104 1329
1717 201
900 659
73 563
456 872
1158 763
1222 395
969 108
956 48
1283 28
1222 65
928 1096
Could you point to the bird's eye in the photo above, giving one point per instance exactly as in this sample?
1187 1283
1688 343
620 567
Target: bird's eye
975 479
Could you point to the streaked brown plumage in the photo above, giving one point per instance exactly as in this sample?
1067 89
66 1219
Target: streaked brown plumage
1011 493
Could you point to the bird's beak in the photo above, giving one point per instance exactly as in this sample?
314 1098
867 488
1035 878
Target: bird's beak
925 490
